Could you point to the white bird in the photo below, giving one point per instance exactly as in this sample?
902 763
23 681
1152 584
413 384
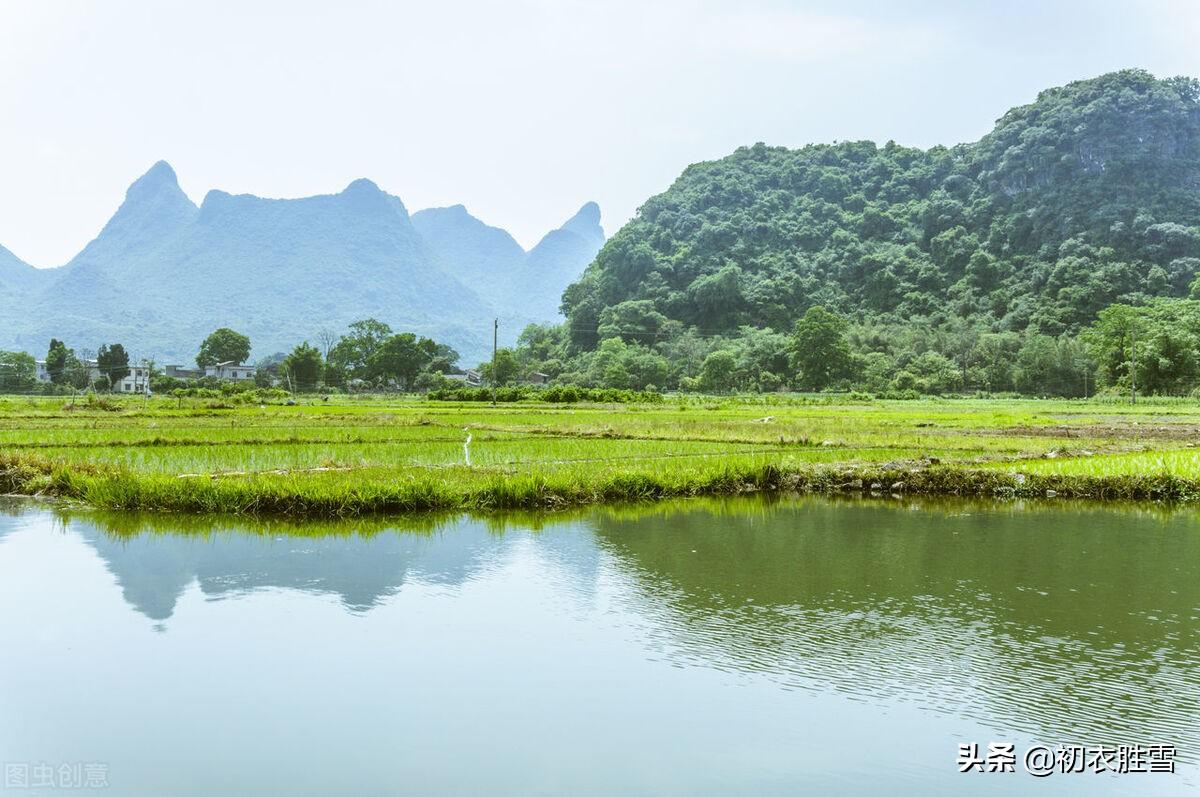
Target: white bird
467 446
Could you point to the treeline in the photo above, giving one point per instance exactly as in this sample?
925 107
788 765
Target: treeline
1154 347
556 394
67 371
370 356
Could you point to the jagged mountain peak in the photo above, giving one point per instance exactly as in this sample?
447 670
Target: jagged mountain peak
160 173
163 272
154 210
586 222
588 214
159 185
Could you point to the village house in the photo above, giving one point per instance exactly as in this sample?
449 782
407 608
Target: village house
231 370
179 372
43 373
137 381
469 378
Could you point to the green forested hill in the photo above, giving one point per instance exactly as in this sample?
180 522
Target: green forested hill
1086 197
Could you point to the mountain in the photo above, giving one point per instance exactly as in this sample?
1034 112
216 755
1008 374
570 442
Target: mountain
163 273
1087 196
17 280
489 260
15 274
482 255
553 259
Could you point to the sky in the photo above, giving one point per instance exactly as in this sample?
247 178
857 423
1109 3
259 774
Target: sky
523 109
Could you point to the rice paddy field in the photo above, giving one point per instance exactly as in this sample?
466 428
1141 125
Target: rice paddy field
353 456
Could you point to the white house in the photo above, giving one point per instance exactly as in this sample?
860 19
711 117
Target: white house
233 371
43 373
138 381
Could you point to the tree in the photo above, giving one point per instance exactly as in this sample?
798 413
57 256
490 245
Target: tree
18 372
645 368
442 357
1110 341
57 360
716 375
994 355
65 368
1166 333
113 363
353 351
327 338
78 372
635 321
302 368
400 357
820 352
223 345
508 368
936 373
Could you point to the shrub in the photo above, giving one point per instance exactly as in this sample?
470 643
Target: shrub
559 394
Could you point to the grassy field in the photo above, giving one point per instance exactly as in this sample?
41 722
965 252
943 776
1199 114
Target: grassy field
348 457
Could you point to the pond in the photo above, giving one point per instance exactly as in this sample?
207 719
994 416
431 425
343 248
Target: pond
742 646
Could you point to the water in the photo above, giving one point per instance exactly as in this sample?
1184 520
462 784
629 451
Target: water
734 647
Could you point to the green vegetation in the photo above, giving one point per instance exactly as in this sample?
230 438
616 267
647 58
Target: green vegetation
352 457
955 269
18 372
370 353
113 363
223 345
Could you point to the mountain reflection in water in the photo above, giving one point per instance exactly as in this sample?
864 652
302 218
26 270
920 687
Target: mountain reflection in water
1059 622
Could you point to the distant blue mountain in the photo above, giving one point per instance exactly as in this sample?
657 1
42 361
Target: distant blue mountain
164 273
496 266
16 274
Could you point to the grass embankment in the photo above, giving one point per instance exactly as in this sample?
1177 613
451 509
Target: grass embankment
357 457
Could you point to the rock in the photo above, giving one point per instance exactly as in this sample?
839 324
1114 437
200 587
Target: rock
876 486
854 485
1051 493
897 486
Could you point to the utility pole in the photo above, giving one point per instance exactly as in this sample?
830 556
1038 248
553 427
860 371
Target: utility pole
1133 356
495 339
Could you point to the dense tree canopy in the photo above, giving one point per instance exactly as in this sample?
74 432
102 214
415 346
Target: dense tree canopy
113 362
1081 199
973 267
302 369
222 346
18 372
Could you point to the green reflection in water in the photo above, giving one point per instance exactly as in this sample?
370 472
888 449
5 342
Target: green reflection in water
1068 622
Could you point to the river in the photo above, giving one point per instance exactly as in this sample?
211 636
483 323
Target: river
741 646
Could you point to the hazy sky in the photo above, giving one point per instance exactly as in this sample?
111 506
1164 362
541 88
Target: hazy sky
521 110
